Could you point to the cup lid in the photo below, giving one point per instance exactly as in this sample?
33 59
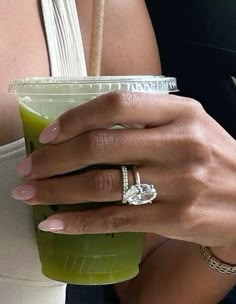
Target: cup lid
152 83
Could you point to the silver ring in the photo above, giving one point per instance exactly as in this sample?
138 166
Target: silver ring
125 183
140 194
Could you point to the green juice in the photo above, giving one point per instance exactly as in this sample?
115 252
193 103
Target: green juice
85 259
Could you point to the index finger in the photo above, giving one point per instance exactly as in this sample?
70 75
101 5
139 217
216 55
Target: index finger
116 108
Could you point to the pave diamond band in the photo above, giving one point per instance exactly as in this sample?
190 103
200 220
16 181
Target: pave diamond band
139 194
125 183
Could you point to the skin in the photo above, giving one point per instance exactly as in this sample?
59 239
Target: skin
169 127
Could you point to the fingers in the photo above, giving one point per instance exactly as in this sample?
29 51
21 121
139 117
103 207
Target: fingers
117 108
110 219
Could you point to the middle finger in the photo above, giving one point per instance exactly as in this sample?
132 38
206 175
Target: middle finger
126 146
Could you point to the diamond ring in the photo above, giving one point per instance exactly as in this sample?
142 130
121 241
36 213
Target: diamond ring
139 194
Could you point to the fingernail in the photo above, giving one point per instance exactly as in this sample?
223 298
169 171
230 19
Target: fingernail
51 225
50 133
24 168
23 192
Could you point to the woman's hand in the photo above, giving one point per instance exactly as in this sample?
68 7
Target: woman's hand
174 143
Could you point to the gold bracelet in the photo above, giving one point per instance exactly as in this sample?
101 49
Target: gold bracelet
215 263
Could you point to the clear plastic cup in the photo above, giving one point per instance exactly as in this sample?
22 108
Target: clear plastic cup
80 259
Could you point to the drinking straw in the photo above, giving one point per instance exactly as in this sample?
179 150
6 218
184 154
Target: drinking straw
97 37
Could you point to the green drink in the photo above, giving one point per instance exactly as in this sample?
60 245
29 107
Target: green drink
82 259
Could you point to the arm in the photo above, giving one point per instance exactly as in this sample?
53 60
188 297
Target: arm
129 41
176 273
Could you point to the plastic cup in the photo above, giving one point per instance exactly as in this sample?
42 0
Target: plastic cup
80 259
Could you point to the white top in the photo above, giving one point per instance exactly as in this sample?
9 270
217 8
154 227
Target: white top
21 280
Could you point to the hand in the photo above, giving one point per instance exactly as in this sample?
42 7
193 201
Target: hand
175 145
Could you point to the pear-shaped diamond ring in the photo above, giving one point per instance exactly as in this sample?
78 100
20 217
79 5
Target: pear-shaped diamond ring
139 194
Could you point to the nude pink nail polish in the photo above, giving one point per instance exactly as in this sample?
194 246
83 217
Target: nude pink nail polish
50 133
24 192
51 225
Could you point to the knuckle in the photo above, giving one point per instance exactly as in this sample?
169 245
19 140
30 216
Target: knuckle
97 141
194 107
78 224
104 183
119 100
200 176
196 144
197 180
116 222
201 149
186 217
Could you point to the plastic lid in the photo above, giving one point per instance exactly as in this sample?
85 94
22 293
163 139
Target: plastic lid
55 85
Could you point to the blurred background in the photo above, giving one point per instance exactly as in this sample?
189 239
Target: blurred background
197 41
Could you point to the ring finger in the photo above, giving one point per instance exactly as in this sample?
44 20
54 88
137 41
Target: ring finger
126 146
96 186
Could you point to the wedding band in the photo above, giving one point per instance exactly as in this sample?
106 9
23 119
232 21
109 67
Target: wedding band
125 183
140 194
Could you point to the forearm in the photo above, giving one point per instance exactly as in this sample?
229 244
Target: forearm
176 273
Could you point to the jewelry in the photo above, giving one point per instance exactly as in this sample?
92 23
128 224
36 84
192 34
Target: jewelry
125 183
215 263
140 194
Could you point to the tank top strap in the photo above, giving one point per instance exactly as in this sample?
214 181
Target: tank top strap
63 33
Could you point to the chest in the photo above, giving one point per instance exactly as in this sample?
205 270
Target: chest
23 50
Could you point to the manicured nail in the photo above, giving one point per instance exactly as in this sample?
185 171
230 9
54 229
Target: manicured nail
51 225
25 167
24 192
50 133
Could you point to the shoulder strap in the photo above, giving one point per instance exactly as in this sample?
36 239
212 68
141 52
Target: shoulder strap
65 45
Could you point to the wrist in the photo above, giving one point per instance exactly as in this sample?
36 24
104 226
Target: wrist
226 254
